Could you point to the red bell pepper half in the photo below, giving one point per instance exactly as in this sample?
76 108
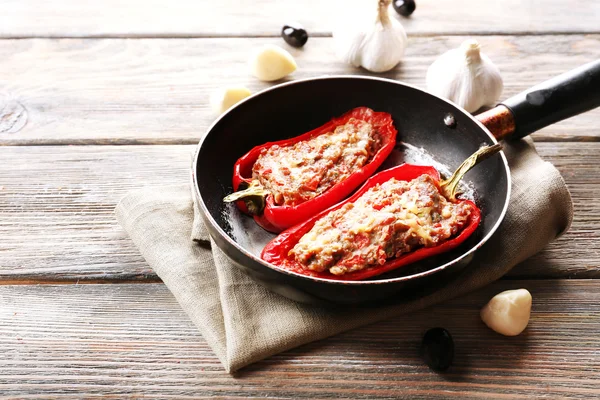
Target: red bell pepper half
276 251
276 218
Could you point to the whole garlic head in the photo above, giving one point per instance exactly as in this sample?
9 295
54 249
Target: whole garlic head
466 77
376 44
271 63
508 312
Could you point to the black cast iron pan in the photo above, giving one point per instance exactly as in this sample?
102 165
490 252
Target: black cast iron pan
422 120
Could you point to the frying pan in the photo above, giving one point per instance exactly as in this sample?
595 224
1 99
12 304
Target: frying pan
448 133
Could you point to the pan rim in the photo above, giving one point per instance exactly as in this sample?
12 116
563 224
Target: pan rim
208 217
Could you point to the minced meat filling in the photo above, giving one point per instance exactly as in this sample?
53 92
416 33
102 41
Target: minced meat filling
387 221
297 173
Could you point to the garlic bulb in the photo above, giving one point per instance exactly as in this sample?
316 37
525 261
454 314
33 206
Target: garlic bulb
376 44
271 63
223 99
508 312
466 77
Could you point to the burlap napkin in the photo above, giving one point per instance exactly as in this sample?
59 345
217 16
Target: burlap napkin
244 322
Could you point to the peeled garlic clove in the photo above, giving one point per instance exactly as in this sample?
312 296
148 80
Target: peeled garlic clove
466 77
508 312
271 63
374 43
223 99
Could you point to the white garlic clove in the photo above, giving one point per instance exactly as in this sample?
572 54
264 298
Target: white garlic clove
224 99
508 312
271 63
466 77
374 42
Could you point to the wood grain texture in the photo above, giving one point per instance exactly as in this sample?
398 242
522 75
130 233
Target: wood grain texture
116 91
133 341
57 202
189 18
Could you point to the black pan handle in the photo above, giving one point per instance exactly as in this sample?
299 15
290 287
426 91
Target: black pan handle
556 99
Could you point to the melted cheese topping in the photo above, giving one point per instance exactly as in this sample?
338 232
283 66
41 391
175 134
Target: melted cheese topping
388 220
297 173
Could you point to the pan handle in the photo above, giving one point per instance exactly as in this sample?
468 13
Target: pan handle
556 99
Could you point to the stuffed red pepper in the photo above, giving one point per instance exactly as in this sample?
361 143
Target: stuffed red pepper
399 216
286 182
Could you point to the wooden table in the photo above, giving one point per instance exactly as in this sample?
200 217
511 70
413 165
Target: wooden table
99 97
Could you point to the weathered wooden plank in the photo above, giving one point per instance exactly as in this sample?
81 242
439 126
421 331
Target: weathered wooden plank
57 222
135 18
59 200
156 91
134 341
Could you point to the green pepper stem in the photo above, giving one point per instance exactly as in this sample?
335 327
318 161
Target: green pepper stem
449 186
254 196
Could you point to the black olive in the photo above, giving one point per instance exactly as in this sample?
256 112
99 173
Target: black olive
404 7
294 35
437 349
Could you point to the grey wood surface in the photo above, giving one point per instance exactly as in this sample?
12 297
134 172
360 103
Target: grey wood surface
156 90
99 98
190 18
60 226
133 341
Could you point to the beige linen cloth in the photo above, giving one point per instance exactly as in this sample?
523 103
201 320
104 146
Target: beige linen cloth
244 322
